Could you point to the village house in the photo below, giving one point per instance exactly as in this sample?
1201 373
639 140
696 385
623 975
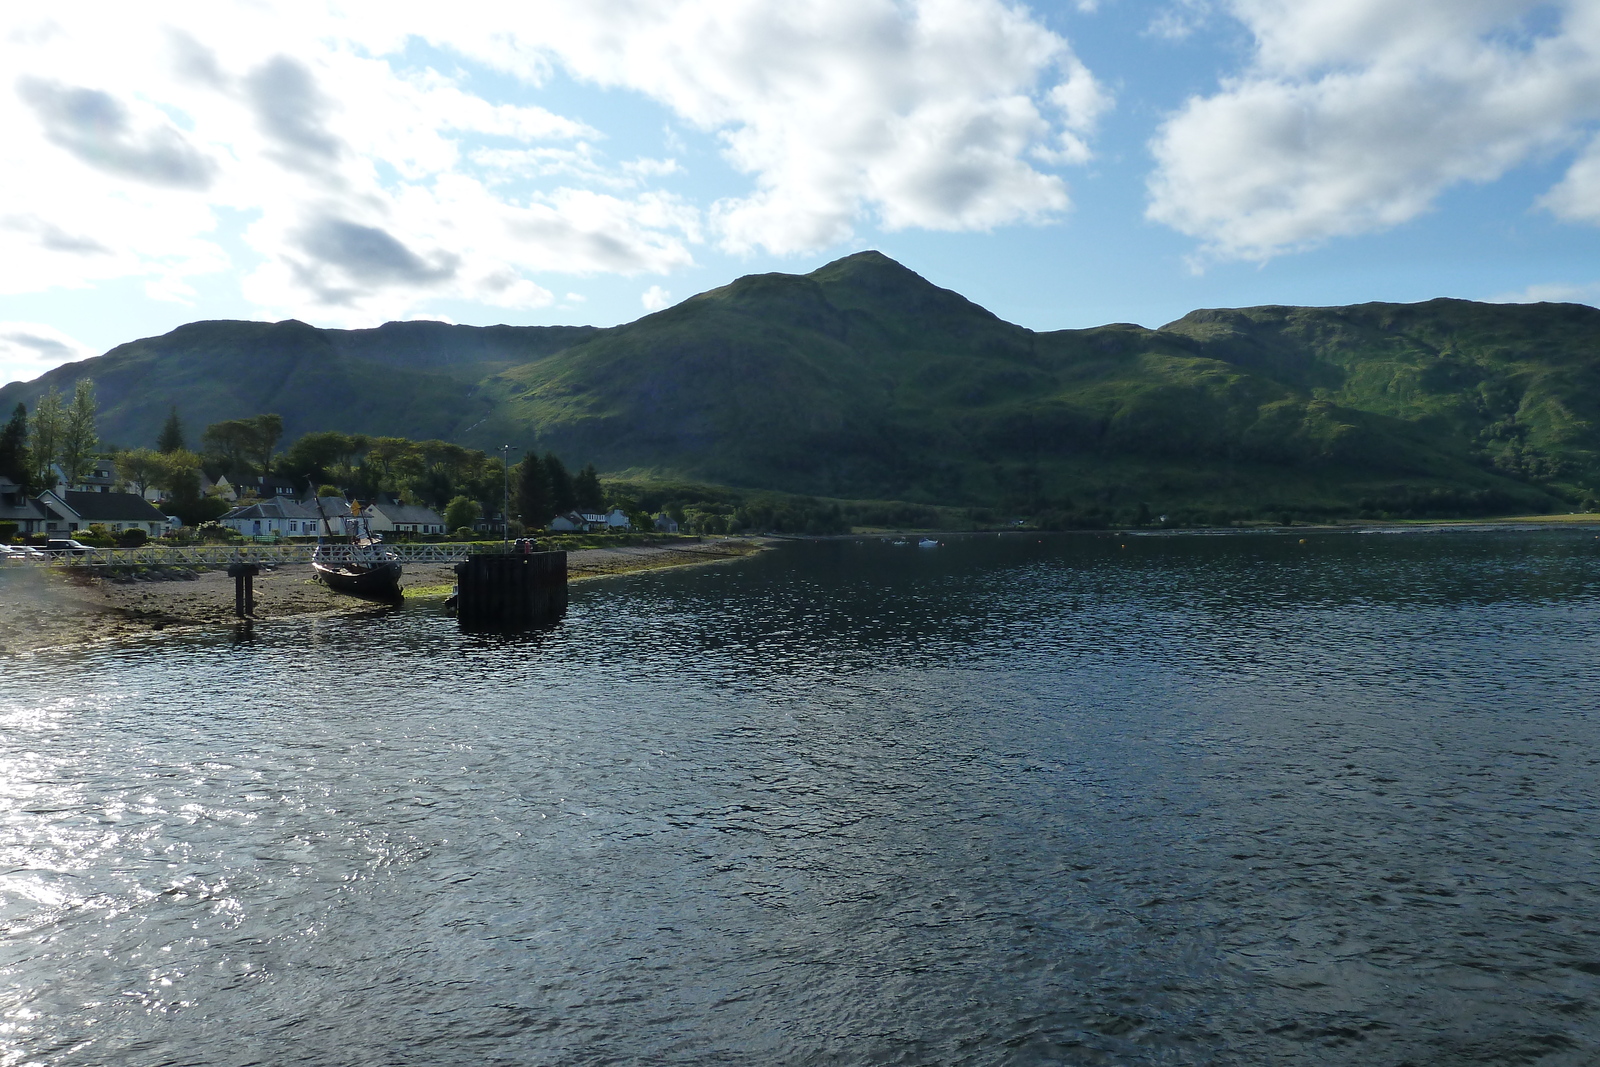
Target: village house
273 486
403 518
666 523
591 521
570 522
15 507
101 477
70 510
220 488
279 517
336 509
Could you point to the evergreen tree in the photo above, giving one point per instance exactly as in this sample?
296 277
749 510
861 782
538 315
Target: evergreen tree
562 496
14 462
49 425
78 437
586 488
171 439
534 501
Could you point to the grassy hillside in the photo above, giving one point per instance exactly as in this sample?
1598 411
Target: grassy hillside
863 381
1515 385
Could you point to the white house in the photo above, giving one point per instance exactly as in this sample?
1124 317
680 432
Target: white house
278 517
618 520
219 488
337 510
404 518
16 507
101 477
70 510
571 522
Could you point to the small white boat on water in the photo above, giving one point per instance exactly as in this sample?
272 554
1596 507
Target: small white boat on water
927 542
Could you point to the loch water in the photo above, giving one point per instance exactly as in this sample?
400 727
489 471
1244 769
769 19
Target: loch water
1321 798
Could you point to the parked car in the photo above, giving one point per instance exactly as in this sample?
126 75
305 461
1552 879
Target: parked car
28 552
67 545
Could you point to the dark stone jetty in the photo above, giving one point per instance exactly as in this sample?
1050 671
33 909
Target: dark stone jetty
496 590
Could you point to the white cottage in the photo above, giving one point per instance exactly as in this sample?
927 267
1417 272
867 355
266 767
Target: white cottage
278 517
404 518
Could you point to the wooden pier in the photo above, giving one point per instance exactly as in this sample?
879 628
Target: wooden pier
497 590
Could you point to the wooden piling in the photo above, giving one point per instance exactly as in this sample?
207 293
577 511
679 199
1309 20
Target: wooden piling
244 588
512 589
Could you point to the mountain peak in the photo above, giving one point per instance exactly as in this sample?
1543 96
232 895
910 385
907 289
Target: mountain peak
870 280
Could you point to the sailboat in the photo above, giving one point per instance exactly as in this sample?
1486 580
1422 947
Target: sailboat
364 565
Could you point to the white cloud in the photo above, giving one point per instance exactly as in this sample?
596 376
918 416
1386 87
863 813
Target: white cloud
29 349
918 113
1179 19
1553 292
1356 114
655 298
1576 197
366 184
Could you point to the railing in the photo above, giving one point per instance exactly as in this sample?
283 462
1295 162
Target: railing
222 555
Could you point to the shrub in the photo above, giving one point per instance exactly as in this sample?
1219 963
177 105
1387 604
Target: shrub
132 538
214 531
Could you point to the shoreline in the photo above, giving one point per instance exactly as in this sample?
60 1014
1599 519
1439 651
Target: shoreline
41 609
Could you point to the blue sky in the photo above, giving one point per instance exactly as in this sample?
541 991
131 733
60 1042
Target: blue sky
1065 164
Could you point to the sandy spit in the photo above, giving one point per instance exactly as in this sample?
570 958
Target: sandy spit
43 609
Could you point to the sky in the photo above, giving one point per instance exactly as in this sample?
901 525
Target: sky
1065 164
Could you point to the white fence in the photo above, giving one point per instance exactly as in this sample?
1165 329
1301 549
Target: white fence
222 555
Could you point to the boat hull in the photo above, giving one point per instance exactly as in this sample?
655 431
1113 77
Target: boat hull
375 579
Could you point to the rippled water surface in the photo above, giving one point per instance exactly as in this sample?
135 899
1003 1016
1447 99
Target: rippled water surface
1079 799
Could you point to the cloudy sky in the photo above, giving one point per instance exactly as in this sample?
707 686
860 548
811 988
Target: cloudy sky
1063 163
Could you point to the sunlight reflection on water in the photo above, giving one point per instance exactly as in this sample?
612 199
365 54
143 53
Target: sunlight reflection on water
1017 800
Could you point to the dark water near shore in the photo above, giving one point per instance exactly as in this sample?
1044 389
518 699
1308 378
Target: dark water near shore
1229 800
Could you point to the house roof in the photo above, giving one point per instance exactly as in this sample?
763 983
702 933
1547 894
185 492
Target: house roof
408 513
111 507
279 507
19 508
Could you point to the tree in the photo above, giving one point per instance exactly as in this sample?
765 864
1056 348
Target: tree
231 441
587 492
534 502
49 423
462 511
180 479
267 432
14 462
324 456
562 496
78 437
142 468
171 439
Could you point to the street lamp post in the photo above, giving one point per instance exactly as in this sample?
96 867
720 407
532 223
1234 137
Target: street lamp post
505 507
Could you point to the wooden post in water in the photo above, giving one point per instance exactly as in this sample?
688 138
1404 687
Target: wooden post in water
244 588
515 589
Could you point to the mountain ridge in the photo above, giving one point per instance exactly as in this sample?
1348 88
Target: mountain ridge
862 379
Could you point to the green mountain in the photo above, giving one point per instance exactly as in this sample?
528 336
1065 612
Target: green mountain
862 380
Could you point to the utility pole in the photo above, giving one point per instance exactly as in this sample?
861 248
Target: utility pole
505 508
